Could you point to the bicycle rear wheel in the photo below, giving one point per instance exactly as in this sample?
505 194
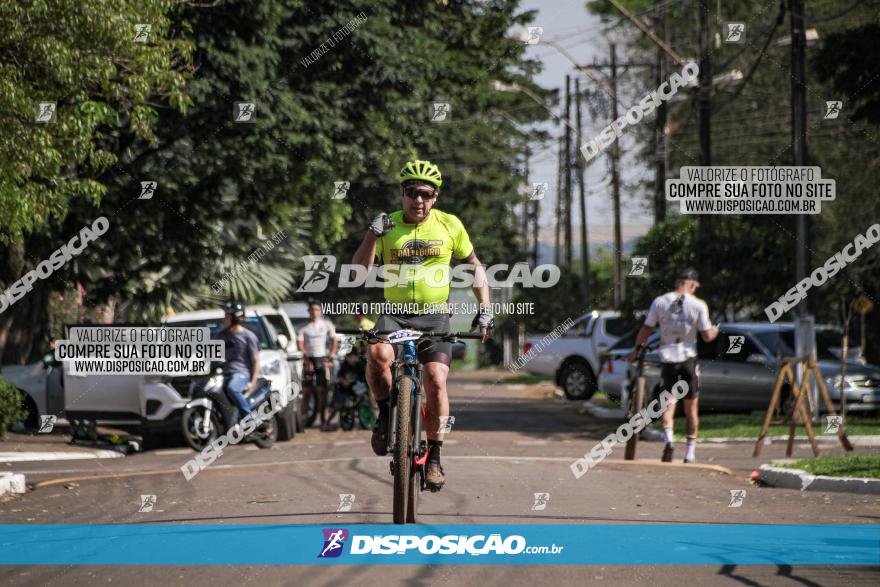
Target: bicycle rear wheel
637 402
402 465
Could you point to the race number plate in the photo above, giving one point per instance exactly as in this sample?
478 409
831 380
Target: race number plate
404 335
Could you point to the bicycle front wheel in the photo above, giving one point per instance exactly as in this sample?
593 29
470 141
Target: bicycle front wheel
637 402
402 465
415 481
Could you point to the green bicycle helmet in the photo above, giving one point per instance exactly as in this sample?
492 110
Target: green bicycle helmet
423 171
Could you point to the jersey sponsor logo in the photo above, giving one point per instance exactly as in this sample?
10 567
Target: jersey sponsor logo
415 252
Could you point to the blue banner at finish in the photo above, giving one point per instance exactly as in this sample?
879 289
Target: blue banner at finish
654 544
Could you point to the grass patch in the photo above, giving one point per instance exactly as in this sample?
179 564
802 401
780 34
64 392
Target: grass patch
748 426
866 466
601 400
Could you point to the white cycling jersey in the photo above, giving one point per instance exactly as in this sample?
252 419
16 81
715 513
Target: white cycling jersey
680 317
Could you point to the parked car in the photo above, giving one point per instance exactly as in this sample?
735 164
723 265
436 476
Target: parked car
274 357
286 330
297 312
144 405
42 383
744 380
573 360
614 369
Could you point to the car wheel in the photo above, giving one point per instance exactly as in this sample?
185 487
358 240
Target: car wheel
31 420
287 423
577 381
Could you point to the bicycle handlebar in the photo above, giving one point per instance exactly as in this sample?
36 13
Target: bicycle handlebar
647 348
430 334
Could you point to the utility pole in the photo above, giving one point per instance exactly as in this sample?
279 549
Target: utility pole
526 202
661 151
704 109
799 136
619 291
579 164
568 198
804 333
556 244
705 90
536 214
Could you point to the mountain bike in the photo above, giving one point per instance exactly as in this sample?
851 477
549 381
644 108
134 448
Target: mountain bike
356 406
636 401
407 443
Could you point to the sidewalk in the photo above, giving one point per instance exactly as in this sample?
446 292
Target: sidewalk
52 447
736 454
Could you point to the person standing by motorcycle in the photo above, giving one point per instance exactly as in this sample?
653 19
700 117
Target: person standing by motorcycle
242 367
314 340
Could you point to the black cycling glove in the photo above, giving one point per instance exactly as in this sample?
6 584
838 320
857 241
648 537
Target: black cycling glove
485 320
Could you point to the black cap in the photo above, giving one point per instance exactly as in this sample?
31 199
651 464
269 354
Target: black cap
689 273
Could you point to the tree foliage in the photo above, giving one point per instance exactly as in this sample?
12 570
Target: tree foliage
81 56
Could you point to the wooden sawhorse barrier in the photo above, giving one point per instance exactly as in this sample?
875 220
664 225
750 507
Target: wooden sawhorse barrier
799 410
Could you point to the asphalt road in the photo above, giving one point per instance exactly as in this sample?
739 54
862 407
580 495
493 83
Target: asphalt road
508 443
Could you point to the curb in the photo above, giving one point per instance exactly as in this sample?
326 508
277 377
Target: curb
603 413
864 441
804 481
32 456
11 483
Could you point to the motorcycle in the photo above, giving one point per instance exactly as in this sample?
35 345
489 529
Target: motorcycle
211 412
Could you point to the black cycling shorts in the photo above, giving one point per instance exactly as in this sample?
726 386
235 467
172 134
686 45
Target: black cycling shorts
429 351
318 364
687 371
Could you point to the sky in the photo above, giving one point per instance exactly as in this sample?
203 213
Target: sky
568 23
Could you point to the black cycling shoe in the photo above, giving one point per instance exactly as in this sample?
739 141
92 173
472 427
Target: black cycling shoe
379 440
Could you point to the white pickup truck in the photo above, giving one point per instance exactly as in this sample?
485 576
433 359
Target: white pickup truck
573 360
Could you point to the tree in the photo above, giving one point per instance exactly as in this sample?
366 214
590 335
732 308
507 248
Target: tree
83 58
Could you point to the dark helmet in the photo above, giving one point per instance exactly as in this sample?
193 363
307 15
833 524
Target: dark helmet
235 309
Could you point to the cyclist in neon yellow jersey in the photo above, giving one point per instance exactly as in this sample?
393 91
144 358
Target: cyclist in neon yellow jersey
420 237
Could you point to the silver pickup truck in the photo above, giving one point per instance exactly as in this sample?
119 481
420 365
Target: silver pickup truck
573 359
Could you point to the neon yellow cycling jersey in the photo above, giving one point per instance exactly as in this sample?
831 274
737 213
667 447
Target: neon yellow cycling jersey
423 253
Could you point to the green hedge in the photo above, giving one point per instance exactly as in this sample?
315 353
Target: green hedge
11 406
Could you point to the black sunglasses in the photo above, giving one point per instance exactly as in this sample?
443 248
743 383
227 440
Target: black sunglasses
416 191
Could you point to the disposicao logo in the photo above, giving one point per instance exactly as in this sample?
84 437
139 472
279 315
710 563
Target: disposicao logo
449 544
334 541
